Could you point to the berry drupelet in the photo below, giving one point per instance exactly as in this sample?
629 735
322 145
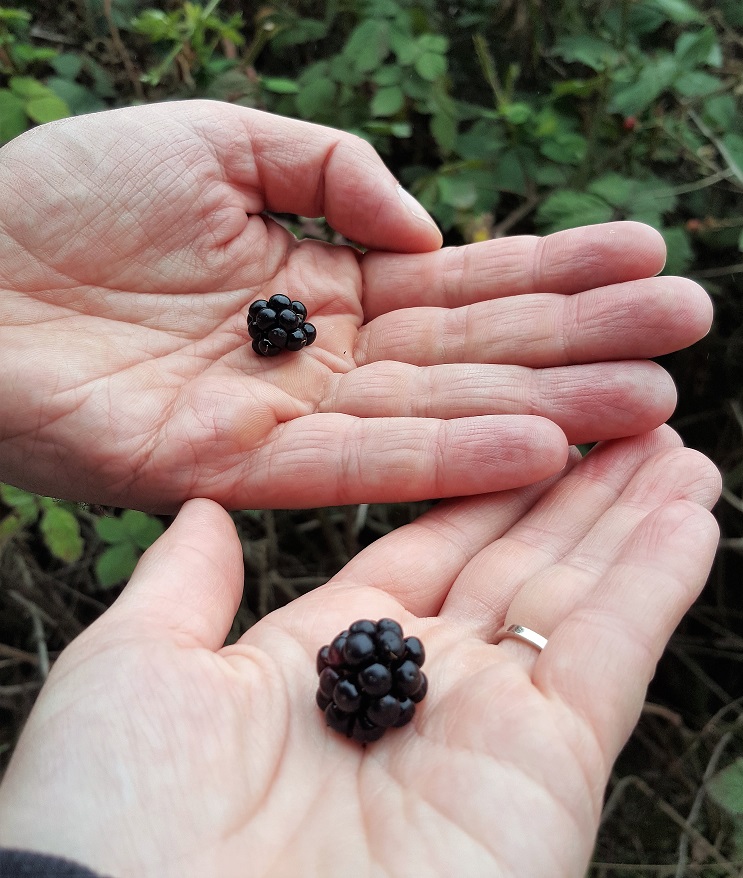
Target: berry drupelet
370 679
278 324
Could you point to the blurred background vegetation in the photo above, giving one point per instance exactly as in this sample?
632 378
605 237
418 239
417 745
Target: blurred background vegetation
502 117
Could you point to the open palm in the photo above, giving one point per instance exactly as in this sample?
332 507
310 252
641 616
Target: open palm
132 243
154 751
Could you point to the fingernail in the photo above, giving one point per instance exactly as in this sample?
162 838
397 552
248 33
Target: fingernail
415 207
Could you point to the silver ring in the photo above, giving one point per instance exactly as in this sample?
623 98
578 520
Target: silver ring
520 633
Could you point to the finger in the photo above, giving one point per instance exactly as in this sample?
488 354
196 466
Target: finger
416 564
566 262
549 596
627 321
588 403
600 659
288 166
482 593
188 584
337 459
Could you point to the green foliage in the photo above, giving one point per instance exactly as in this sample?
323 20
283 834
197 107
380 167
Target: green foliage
127 537
189 36
58 526
726 789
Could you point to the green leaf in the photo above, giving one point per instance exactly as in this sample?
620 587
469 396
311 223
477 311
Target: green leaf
567 209
47 109
116 564
388 74
27 87
430 66
516 113
697 83
436 43
680 254
316 99
726 788
111 530
564 148
23 503
143 529
587 50
368 44
720 111
740 241
77 97
734 145
654 78
457 191
444 131
388 101
68 65
61 532
279 85
404 45
699 47
677 11
304 30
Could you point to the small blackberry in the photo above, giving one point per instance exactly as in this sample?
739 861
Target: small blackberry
278 324
370 679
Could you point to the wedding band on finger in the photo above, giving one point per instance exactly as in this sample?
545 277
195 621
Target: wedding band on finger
519 632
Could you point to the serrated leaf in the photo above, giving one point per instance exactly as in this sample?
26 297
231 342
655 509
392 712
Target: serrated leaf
143 529
47 109
279 85
116 564
61 532
430 66
568 209
726 788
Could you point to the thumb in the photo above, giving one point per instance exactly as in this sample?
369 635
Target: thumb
188 584
313 170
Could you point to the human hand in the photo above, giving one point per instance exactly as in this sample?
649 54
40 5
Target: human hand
133 241
153 752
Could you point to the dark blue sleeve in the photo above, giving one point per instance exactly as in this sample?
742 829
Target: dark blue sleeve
26 864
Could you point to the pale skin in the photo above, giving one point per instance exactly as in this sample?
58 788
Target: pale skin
153 751
133 242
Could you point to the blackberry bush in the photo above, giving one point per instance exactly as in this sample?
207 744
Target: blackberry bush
278 324
370 679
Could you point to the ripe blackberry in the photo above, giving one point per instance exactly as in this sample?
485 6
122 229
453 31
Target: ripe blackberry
370 679
278 324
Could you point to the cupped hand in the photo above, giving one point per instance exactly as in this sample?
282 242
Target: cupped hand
154 752
132 243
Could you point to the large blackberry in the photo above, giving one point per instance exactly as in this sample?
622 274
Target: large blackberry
370 679
278 324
